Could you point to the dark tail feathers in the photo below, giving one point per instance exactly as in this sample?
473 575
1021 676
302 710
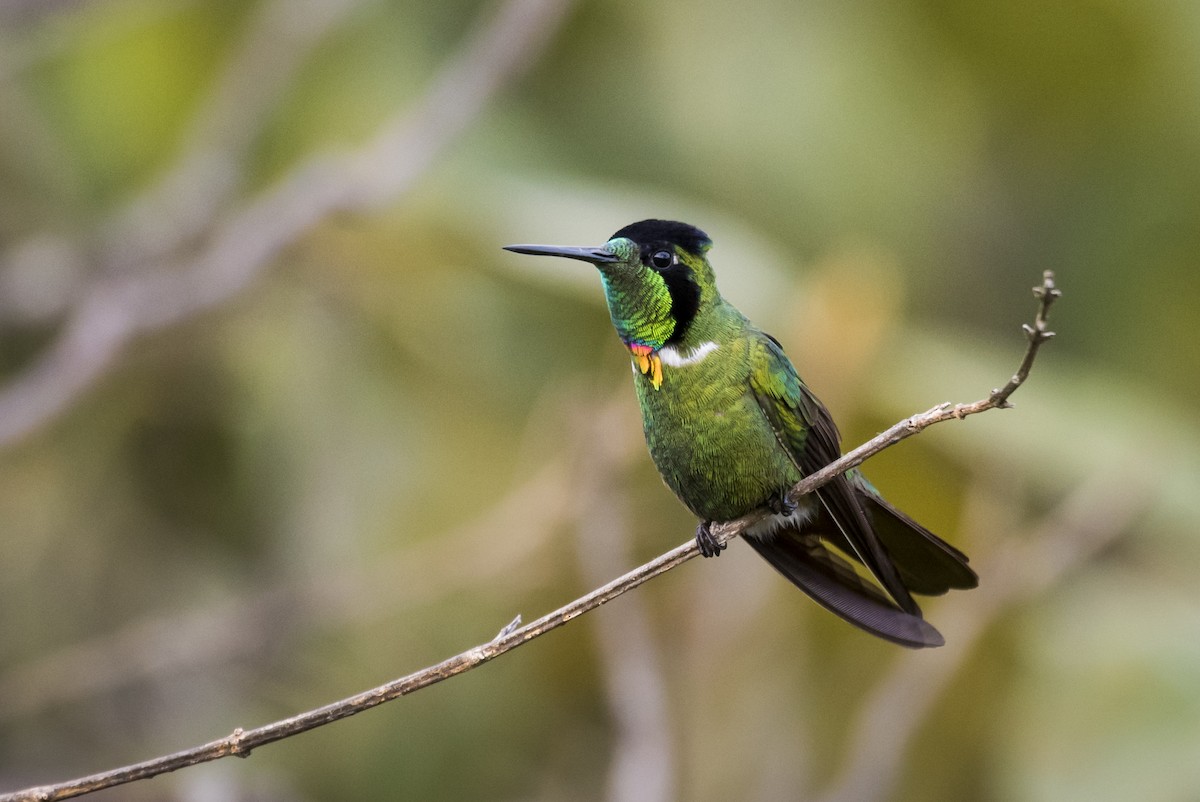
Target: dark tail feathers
833 583
928 565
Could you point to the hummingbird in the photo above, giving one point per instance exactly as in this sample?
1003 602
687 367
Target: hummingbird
731 428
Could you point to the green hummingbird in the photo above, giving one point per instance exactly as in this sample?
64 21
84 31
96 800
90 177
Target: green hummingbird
731 428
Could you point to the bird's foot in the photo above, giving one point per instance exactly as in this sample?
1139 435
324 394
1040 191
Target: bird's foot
708 543
780 504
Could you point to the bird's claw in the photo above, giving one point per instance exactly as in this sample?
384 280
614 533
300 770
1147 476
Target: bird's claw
780 504
708 543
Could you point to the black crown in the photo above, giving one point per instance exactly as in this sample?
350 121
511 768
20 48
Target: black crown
647 232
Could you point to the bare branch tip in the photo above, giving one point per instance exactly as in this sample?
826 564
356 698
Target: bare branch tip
1048 292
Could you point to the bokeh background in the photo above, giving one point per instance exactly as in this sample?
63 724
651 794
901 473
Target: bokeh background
280 421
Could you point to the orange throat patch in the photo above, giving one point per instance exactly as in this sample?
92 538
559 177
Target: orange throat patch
648 362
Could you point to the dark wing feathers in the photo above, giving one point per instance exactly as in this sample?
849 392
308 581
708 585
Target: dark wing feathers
806 429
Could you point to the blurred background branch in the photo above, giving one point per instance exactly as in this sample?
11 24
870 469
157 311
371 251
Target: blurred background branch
182 203
116 309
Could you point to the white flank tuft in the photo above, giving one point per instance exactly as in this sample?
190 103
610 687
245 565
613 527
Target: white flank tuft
768 527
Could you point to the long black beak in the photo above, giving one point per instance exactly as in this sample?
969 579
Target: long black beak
593 255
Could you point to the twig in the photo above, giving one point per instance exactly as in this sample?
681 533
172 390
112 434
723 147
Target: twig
119 309
241 742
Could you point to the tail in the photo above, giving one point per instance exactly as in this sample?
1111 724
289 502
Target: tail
812 565
927 564
856 526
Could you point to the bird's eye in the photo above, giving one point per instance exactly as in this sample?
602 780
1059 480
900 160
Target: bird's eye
662 259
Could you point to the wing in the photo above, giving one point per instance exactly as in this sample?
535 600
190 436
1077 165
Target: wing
806 430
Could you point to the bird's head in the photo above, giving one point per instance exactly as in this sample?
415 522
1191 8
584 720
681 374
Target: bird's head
656 278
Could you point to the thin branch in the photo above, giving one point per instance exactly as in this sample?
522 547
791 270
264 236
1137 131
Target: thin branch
242 742
119 309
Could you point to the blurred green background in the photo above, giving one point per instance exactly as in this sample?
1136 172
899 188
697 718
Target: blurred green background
392 437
